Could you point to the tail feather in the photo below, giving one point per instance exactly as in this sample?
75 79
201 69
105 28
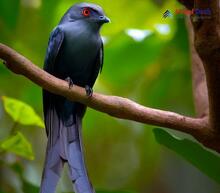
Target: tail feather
52 170
67 148
78 171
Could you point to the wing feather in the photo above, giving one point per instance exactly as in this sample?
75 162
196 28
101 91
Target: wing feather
50 114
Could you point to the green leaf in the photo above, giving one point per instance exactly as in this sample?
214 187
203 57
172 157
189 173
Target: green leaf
18 145
21 112
206 161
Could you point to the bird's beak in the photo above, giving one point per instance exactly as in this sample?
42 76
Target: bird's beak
104 19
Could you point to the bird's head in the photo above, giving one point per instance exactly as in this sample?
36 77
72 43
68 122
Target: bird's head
87 12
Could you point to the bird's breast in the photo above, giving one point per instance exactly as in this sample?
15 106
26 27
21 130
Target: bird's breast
78 54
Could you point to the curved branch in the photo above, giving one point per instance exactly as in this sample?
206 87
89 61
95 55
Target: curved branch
200 92
115 106
206 29
207 44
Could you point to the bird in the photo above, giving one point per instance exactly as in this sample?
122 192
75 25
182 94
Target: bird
75 54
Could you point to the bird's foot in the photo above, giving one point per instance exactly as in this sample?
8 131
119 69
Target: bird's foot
70 82
89 91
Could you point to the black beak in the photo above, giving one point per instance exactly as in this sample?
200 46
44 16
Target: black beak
104 19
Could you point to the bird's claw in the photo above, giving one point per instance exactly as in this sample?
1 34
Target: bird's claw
70 82
89 91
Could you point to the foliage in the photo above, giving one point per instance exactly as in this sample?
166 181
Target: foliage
195 153
21 112
19 145
16 142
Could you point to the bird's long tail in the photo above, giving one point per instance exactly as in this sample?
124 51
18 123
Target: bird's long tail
67 148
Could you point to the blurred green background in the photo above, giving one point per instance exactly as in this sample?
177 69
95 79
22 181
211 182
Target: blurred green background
147 59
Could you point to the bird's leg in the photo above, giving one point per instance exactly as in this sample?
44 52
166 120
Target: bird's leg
70 82
89 91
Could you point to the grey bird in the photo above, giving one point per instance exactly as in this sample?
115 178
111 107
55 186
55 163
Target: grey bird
75 54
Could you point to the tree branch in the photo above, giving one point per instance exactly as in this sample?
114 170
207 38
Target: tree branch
200 92
206 30
207 44
115 106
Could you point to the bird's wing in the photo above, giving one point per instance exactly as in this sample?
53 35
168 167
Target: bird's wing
54 45
101 57
97 67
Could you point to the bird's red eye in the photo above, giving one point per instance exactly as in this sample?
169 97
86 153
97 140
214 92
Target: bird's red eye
86 12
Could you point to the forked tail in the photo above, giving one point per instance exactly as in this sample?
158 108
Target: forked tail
67 148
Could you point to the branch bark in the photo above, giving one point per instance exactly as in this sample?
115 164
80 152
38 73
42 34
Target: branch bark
115 106
200 92
207 44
